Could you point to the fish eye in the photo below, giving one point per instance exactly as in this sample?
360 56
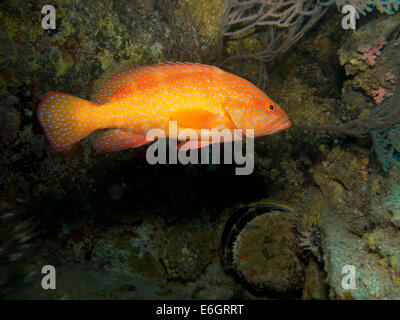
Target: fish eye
271 107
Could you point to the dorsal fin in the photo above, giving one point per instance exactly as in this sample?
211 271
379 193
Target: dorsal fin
123 80
127 80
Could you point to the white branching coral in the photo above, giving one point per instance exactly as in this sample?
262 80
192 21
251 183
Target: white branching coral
286 21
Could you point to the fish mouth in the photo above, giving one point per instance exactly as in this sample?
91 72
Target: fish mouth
285 125
279 127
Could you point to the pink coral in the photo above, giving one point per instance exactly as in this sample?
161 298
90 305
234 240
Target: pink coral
371 53
380 94
390 77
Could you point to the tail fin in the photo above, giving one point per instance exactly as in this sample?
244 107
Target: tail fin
66 119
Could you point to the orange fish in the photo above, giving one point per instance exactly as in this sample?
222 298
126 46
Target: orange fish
132 102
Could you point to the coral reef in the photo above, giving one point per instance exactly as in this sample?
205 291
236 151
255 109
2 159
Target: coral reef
387 146
283 24
382 123
351 220
392 203
388 114
187 251
311 241
116 227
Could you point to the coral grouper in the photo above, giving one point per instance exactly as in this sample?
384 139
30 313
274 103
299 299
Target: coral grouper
134 101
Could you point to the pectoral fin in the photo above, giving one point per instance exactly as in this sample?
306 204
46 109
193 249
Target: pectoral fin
198 119
228 116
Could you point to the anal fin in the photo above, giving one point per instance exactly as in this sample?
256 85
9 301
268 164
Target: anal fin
119 139
189 145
